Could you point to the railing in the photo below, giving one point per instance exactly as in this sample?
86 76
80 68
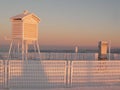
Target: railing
2 74
95 73
59 56
58 73
38 74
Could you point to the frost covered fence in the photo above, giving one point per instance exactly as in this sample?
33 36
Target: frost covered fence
58 73
59 56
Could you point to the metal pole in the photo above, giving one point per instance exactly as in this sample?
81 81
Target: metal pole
76 52
109 49
18 50
34 47
7 66
10 49
38 48
35 51
7 74
23 50
26 50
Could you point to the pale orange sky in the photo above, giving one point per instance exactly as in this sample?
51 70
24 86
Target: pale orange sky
67 22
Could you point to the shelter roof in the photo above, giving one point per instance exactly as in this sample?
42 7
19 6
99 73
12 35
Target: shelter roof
23 15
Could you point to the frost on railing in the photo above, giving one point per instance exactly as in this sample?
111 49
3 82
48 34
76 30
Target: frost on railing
2 74
58 73
37 74
59 56
95 73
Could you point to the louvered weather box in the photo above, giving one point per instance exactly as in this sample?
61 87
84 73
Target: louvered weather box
103 46
25 29
25 26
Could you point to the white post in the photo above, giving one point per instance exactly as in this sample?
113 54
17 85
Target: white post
76 52
38 48
35 50
34 44
18 50
109 49
26 50
23 50
10 49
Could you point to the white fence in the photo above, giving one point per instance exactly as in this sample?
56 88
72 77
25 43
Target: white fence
68 56
95 73
59 56
58 73
37 74
2 74
53 56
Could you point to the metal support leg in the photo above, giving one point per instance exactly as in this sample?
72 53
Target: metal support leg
26 50
38 49
18 50
23 50
35 50
7 65
10 50
34 47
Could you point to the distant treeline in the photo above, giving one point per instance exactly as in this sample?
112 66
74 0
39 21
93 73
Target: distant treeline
80 51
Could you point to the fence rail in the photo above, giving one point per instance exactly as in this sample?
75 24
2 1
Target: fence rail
2 74
60 56
58 73
95 73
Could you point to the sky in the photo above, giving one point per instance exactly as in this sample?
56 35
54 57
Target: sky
67 23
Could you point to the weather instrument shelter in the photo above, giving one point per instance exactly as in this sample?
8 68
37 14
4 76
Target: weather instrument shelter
24 33
103 46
